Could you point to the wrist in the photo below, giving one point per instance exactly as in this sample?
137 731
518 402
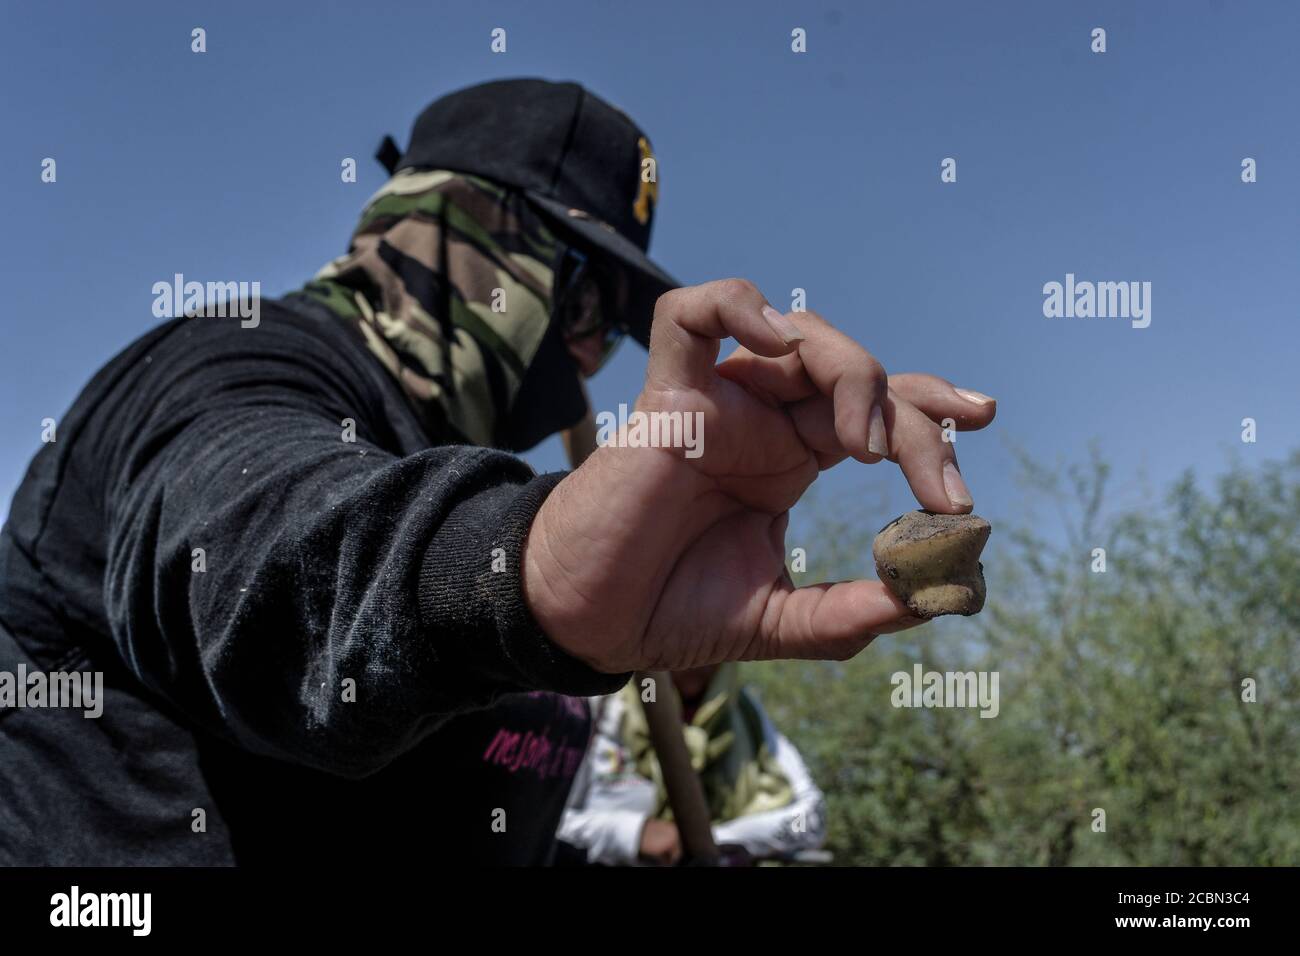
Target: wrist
545 583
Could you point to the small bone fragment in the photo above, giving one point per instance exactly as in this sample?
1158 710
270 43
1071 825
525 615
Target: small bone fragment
931 562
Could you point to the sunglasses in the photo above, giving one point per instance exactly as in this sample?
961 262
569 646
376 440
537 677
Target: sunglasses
588 300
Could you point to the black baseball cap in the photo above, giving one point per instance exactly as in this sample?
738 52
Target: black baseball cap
576 157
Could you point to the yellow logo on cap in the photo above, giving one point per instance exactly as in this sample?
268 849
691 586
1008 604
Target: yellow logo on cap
648 191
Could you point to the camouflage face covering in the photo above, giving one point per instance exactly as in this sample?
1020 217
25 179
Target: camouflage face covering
449 279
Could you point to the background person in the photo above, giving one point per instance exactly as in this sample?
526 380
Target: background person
759 791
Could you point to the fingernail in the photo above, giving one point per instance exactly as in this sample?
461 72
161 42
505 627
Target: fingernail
782 326
979 398
957 491
877 440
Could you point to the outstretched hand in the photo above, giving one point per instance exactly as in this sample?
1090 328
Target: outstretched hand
647 558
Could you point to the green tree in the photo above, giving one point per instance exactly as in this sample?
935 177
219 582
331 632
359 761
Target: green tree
1120 691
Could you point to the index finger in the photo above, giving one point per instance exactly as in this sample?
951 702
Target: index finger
690 323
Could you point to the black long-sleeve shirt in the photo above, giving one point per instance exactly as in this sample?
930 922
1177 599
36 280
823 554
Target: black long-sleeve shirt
319 643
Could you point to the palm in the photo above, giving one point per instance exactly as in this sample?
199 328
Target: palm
712 603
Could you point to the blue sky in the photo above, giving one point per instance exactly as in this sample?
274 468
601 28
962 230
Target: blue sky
818 171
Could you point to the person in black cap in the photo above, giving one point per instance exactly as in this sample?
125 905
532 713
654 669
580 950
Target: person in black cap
322 614
548 172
